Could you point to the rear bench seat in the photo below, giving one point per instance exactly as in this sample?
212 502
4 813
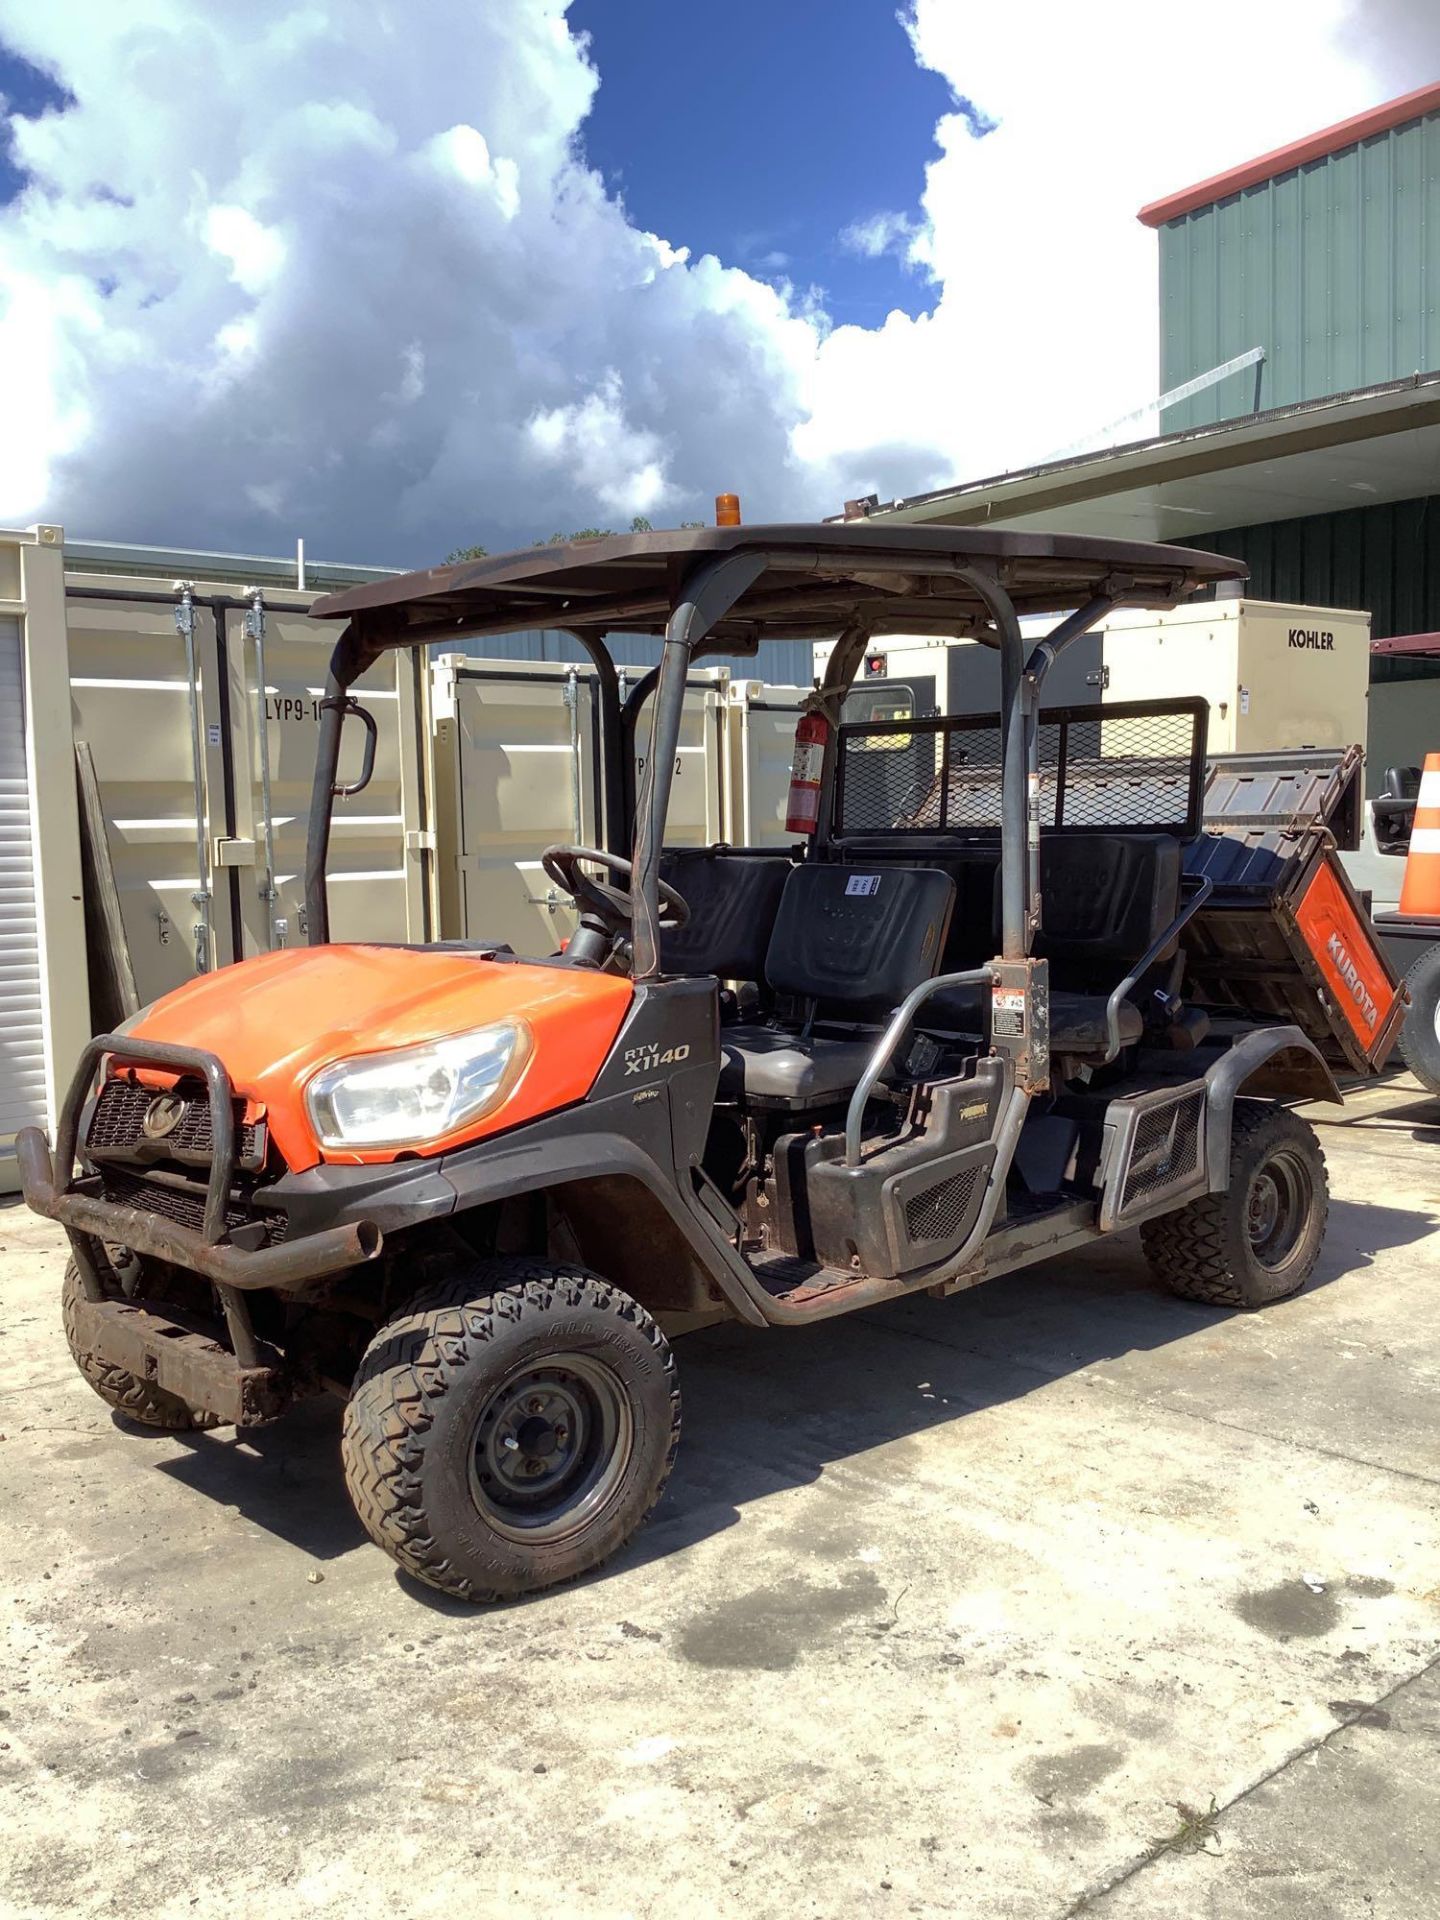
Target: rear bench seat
1104 898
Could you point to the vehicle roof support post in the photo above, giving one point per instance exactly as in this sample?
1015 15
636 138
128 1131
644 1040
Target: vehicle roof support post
629 726
1019 781
1045 653
615 833
711 589
347 662
829 700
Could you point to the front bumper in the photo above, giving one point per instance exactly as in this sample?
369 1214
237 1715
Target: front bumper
181 1357
84 1211
212 1251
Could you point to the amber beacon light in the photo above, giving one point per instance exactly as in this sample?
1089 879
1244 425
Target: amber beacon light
727 509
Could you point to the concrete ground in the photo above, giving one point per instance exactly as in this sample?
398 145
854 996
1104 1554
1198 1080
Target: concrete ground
1059 1597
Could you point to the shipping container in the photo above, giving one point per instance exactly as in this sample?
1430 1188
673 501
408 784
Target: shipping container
518 768
205 801
44 1007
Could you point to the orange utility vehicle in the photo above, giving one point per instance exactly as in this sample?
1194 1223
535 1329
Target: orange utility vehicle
945 1034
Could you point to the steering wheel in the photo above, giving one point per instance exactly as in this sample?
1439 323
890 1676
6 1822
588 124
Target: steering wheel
605 909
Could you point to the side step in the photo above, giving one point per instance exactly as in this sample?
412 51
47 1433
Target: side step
786 1277
184 1360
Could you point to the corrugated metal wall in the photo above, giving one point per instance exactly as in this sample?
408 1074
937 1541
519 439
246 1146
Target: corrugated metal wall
1384 558
780 663
1333 268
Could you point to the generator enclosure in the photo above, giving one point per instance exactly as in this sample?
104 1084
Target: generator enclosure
1275 675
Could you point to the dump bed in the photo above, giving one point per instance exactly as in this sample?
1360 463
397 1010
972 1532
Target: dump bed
1283 935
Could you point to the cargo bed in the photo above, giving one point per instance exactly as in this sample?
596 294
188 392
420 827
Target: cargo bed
1283 935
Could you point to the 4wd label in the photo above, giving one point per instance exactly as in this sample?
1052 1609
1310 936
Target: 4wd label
1007 1013
649 1058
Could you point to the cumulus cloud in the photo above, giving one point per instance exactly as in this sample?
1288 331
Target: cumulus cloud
880 233
339 267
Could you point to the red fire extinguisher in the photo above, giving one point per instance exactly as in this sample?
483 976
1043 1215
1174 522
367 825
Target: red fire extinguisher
803 812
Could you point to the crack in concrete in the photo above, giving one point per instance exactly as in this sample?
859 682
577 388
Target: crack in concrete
1098 1891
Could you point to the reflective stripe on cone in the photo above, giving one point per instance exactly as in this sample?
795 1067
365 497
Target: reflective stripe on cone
1420 893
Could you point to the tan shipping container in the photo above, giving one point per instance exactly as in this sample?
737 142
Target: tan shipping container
184 793
517 769
44 1003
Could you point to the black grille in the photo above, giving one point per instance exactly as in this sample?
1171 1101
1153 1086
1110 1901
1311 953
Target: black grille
1130 767
1165 1151
183 1205
938 1212
118 1123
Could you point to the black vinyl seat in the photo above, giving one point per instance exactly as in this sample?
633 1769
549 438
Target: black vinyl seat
733 900
1105 897
850 943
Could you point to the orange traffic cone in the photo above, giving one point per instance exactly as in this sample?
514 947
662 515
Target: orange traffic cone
1420 891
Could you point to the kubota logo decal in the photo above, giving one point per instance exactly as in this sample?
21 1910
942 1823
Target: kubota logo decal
1348 972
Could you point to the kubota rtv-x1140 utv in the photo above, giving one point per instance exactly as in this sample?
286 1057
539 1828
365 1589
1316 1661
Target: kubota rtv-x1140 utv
944 1034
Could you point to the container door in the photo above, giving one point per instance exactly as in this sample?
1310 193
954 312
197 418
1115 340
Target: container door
761 722
130 692
696 814
524 760
377 872
22 1022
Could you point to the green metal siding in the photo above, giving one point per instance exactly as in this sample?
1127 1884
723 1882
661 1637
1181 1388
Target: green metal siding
1333 268
1385 559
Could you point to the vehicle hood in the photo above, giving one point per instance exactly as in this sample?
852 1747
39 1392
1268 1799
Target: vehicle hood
275 1021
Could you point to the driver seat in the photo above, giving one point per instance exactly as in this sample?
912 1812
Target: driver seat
850 945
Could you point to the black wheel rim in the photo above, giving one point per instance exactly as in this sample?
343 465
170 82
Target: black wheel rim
551 1445
1277 1207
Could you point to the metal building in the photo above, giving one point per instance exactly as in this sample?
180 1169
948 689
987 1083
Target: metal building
1324 255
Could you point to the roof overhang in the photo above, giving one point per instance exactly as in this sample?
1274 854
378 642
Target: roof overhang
1319 456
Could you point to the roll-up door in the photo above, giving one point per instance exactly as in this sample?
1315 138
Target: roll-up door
22 1028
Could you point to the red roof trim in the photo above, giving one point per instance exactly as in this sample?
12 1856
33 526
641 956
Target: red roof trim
1315 146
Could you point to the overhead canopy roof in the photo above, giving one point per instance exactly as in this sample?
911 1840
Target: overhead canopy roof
1318 456
819 579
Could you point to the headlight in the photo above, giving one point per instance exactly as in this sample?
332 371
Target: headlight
416 1093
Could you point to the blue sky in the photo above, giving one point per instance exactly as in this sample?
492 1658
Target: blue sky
762 130
26 90
395 319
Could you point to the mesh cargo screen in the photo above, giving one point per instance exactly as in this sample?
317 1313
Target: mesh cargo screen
1132 767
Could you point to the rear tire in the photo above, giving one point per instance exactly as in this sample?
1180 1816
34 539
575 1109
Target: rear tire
511 1427
1420 1035
138 1400
1259 1240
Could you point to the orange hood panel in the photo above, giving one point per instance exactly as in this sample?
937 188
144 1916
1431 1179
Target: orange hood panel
275 1021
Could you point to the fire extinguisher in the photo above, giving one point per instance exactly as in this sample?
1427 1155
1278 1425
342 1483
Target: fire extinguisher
802 814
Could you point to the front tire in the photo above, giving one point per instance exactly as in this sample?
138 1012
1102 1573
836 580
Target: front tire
510 1428
138 1400
1420 1035
1259 1240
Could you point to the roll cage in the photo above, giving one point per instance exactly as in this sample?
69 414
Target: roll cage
724 590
